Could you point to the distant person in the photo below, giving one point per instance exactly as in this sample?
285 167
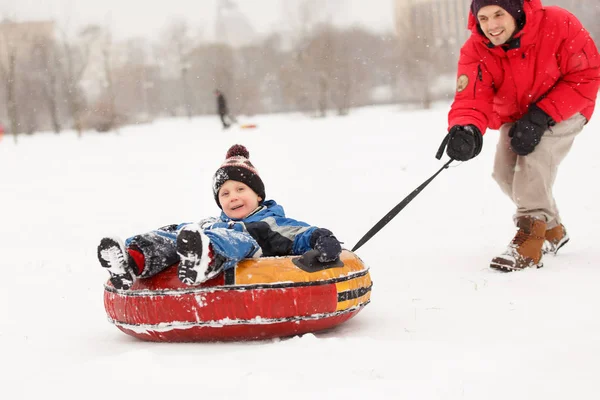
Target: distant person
533 72
249 227
223 110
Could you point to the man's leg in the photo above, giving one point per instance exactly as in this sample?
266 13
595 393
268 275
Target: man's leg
505 162
223 121
157 248
535 173
528 181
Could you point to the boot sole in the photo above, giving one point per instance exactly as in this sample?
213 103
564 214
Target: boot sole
509 268
189 244
119 281
189 248
123 282
560 245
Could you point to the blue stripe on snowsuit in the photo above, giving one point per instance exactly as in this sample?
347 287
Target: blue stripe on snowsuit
233 245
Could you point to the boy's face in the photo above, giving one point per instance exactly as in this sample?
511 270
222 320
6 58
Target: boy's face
237 199
496 24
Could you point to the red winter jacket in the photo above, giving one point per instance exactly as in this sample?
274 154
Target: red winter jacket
554 63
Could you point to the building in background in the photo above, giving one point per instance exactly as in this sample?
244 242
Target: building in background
587 11
23 48
24 34
232 26
430 34
444 21
447 19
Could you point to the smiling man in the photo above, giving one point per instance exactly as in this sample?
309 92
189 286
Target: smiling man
498 24
533 72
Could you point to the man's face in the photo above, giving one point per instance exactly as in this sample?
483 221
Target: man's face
497 24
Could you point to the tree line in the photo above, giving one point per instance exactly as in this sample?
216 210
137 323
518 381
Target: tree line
90 81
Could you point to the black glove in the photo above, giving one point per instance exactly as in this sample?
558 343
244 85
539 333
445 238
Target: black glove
464 143
326 244
527 132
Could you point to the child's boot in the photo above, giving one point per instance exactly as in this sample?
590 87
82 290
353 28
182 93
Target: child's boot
198 261
556 238
113 257
525 250
192 247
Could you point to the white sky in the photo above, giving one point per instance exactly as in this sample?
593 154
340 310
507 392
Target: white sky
145 18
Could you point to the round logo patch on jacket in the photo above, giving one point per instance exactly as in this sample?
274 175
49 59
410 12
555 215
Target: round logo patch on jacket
461 83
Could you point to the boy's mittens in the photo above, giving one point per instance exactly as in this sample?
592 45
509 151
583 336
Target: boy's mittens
326 244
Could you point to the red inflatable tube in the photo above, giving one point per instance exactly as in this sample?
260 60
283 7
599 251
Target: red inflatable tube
258 299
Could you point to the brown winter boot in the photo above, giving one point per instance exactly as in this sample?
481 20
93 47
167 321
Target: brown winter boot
556 238
525 250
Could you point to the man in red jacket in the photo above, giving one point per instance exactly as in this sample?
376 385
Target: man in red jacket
533 72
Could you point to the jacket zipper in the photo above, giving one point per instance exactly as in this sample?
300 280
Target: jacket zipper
479 78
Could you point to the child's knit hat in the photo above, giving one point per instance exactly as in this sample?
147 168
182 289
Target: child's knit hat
237 167
513 7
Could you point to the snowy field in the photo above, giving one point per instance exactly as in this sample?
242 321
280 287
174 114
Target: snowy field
441 324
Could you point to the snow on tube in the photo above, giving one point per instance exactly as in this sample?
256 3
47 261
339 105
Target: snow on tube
260 298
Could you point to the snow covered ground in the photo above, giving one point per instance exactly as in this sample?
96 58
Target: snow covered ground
441 324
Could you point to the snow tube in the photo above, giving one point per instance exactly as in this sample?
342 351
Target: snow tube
248 126
260 298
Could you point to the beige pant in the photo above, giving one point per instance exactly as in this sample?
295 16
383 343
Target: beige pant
528 180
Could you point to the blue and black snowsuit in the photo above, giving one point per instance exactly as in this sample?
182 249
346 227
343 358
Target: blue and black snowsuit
266 232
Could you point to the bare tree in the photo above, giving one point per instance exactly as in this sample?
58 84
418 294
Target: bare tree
271 57
29 98
213 66
419 63
330 70
256 79
106 107
303 77
351 62
293 84
315 68
75 60
321 64
177 46
388 66
250 77
8 72
103 114
134 77
45 58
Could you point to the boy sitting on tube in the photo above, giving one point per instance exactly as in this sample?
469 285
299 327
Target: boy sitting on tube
249 227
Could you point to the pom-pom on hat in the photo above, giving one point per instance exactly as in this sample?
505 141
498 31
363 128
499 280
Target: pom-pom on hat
513 7
237 167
